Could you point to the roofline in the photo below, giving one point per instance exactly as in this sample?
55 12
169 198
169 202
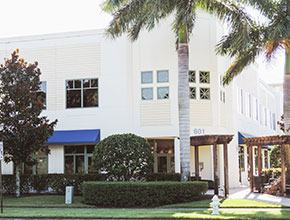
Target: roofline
91 32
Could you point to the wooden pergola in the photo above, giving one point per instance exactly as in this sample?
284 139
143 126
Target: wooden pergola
264 141
214 141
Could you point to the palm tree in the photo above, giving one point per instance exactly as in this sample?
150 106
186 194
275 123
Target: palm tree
131 16
269 38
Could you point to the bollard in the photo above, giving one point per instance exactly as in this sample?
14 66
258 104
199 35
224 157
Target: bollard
215 205
69 193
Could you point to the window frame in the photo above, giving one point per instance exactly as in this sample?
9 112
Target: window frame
82 92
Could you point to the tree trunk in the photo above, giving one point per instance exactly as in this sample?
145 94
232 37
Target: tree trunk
17 169
286 109
183 105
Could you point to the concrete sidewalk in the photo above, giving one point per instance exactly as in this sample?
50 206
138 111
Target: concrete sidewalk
243 192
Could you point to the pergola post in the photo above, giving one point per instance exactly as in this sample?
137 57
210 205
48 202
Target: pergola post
251 167
226 178
215 165
196 154
259 160
283 174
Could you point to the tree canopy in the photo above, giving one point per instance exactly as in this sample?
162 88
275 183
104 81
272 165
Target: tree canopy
23 131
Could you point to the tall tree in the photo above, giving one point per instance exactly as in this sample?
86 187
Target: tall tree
23 130
131 16
267 38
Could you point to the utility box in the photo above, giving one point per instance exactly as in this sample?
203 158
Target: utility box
69 193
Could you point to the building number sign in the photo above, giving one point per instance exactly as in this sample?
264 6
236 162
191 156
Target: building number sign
198 131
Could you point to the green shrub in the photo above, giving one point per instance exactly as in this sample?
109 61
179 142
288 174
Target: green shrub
54 183
163 177
124 157
141 194
271 173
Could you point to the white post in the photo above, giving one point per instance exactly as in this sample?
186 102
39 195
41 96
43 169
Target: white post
177 155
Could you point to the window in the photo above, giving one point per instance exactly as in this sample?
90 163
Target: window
82 93
266 159
41 166
242 101
146 77
147 93
191 76
41 94
163 93
270 119
204 93
204 77
250 106
162 76
274 121
78 159
155 85
257 110
265 117
192 93
224 97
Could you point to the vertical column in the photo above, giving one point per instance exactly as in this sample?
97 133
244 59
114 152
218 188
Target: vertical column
155 168
176 155
283 174
196 159
215 165
226 178
259 160
251 167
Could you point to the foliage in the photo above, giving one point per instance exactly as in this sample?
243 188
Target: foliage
247 42
141 194
54 183
124 157
274 173
163 177
275 156
23 130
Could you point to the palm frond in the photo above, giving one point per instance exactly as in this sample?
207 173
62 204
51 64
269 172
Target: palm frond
241 61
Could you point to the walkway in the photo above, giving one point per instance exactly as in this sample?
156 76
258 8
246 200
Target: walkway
243 192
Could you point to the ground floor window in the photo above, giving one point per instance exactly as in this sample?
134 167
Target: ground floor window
266 159
78 159
41 166
163 150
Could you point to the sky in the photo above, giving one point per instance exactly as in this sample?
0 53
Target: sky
32 17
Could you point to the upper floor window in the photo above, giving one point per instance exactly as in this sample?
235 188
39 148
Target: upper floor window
155 85
82 93
191 76
204 77
146 77
41 94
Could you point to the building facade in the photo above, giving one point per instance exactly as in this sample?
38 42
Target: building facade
97 87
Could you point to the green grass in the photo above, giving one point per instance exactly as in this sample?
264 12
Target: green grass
226 203
43 201
143 213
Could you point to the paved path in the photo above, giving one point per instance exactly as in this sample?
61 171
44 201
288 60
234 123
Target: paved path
243 192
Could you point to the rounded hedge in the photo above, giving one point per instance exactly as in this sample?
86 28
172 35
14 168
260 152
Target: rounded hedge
141 194
124 157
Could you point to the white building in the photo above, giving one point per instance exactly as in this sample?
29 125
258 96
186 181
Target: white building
97 87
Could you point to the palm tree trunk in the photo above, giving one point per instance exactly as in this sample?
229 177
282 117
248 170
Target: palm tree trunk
17 176
183 105
286 108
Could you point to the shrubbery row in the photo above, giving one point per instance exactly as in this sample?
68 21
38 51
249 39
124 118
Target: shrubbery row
56 183
141 194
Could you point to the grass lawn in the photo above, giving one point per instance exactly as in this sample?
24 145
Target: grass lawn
142 213
43 201
226 203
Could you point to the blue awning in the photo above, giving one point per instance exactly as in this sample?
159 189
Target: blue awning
243 135
74 137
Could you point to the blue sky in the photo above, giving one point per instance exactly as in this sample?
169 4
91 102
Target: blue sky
30 17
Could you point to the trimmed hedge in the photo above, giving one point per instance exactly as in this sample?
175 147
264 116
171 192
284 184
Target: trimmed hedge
54 183
141 194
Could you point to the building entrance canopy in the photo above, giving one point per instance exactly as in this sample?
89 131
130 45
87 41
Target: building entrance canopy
264 141
213 140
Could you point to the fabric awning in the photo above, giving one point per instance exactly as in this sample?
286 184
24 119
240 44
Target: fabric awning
243 135
74 137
